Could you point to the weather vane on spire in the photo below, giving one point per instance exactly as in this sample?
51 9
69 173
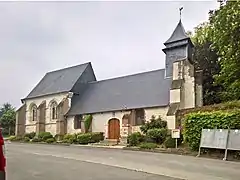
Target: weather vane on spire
180 10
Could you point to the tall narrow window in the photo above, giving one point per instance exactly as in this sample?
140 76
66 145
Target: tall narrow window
33 112
54 112
140 117
77 122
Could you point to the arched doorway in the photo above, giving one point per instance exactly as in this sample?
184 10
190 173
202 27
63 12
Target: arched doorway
113 129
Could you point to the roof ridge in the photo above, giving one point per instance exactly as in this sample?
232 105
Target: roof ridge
145 72
69 67
178 33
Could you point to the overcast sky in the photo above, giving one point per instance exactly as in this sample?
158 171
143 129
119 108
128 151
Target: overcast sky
119 38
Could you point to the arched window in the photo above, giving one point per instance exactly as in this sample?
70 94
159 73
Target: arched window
53 109
140 117
33 111
77 121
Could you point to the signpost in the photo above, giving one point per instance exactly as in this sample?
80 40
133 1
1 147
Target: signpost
176 135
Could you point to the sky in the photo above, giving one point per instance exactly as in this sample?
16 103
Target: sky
118 38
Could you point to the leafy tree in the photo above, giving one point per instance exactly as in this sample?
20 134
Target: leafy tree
7 119
225 25
206 59
5 108
154 123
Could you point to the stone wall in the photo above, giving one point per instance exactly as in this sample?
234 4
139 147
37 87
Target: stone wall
44 121
182 92
100 121
70 126
20 121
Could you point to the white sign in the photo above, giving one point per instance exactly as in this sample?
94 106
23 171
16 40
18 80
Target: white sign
176 133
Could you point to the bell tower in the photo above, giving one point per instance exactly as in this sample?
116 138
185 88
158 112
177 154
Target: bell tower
178 46
179 67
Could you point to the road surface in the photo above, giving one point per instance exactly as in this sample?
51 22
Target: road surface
52 162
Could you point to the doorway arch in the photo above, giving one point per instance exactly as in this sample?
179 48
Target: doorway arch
114 128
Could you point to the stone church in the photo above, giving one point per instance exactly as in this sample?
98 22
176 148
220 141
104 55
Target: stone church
119 106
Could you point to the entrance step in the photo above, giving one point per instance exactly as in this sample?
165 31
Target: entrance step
109 142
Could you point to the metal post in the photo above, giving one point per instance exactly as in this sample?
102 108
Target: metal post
176 143
199 150
226 148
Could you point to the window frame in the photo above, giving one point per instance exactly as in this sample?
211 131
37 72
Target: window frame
34 113
53 111
139 117
78 122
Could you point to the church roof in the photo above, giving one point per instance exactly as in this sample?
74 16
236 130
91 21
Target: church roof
178 34
148 89
58 81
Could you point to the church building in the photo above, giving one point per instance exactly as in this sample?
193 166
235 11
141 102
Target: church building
119 106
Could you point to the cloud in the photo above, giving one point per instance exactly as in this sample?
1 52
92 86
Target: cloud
119 38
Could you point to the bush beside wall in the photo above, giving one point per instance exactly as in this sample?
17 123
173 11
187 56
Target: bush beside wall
195 122
231 105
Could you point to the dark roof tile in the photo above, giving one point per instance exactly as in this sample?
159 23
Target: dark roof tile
58 81
178 34
148 89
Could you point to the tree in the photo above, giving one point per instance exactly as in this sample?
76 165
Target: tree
225 25
8 119
206 59
4 108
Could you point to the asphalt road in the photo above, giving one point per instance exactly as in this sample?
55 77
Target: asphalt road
51 162
30 166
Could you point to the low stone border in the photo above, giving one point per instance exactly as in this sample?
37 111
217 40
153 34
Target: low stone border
97 146
44 143
179 151
162 150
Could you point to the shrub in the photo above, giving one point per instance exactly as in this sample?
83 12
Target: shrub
36 139
195 122
135 139
45 135
158 135
12 138
50 140
70 138
26 139
67 141
87 122
30 135
97 136
231 105
148 146
19 138
153 123
84 138
170 142
58 137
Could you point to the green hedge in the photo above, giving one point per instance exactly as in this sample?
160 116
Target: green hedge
45 135
148 145
195 122
84 138
157 135
30 135
231 105
97 136
154 123
87 122
135 139
170 142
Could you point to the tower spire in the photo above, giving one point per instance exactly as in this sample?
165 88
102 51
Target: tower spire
180 11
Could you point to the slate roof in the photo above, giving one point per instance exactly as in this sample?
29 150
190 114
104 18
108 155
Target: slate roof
178 34
58 81
148 89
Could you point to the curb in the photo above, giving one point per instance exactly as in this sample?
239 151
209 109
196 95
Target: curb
159 151
65 144
96 146
42 143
